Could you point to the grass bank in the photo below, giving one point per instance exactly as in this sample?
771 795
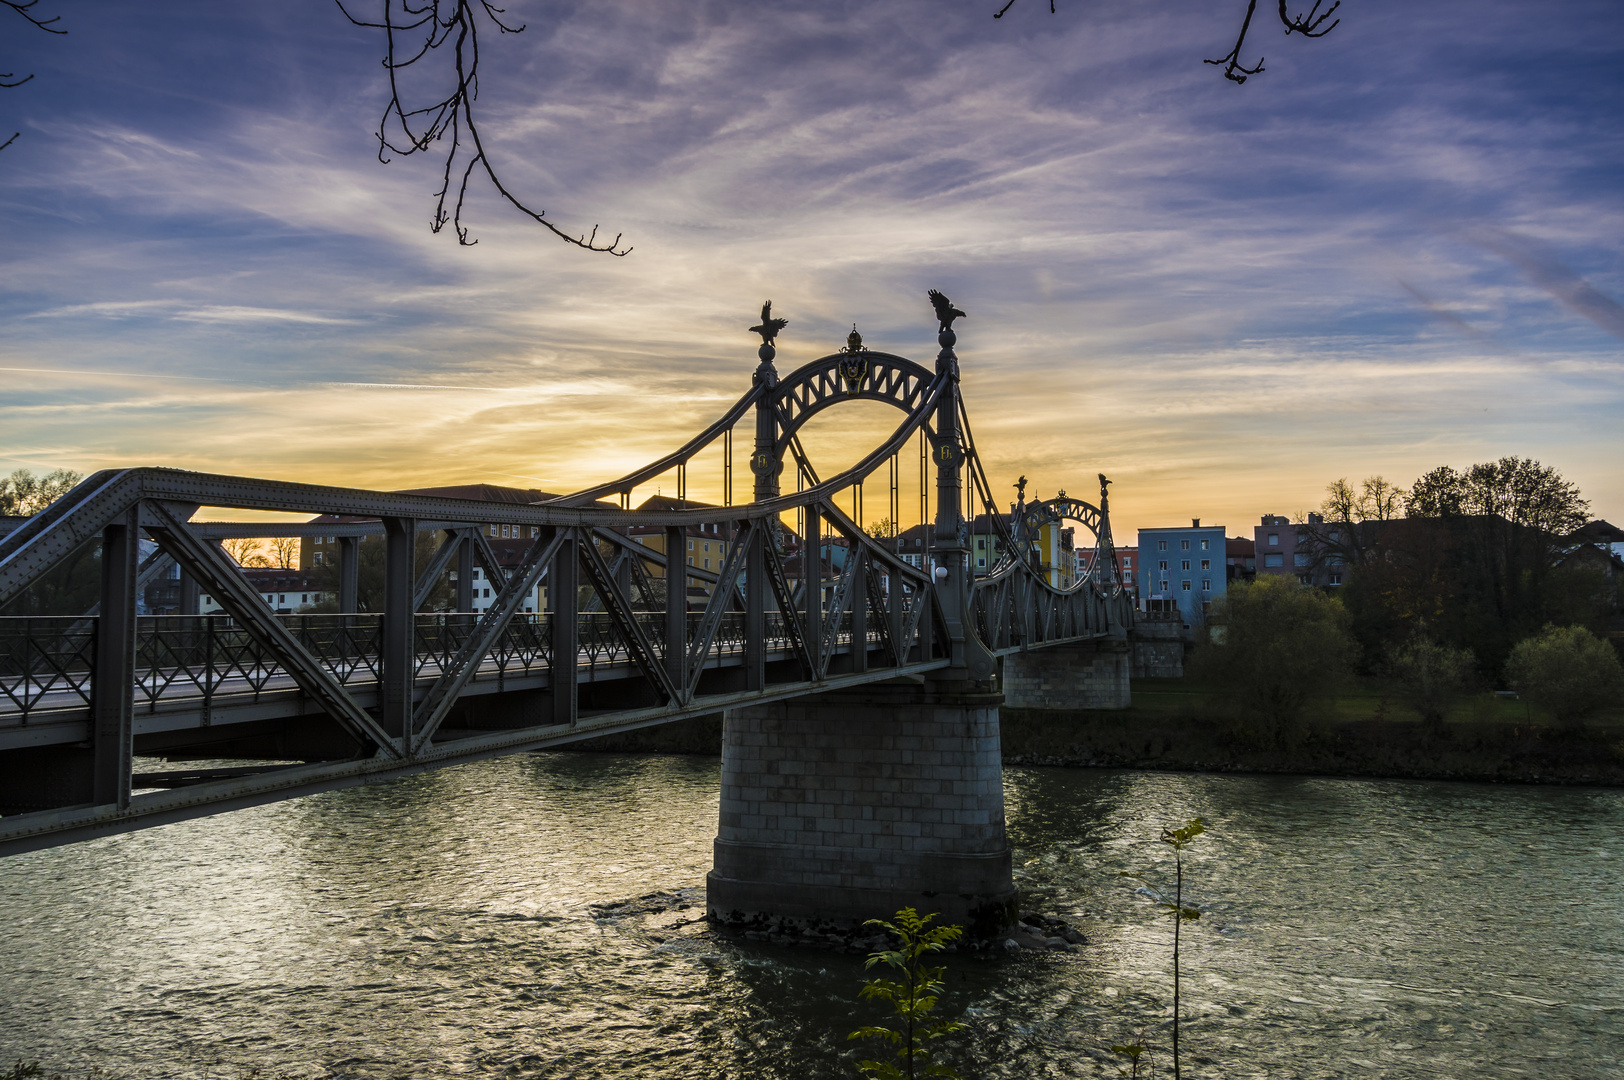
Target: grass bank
1180 725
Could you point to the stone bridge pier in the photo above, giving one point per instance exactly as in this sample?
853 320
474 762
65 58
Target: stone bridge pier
1084 675
850 805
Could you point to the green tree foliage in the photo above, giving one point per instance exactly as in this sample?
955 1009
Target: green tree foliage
22 494
1275 646
1567 670
1429 676
1178 839
74 583
912 997
1476 561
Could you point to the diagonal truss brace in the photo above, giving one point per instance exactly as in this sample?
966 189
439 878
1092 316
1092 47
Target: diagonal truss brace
212 567
838 604
779 580
443 694
619 607
721 599
436 566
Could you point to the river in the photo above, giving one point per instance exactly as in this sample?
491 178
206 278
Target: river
440 926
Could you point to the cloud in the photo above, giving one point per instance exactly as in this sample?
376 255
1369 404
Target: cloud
1168 276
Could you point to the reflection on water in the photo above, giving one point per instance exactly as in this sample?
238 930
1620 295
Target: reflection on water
439 925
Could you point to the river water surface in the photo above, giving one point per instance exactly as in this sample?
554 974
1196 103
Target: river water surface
442 925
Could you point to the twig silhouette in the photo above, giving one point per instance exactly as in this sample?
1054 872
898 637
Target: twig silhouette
8 79
413 33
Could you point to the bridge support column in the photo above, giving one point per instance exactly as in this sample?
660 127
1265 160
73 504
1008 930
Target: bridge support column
850 805
1086 675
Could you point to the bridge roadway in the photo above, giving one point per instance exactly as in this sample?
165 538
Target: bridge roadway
185 705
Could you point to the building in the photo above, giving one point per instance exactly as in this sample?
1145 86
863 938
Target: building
1182 569
284 589
1283 548
1240 559
707 544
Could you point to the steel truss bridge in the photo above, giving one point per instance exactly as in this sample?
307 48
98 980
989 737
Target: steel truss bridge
358 697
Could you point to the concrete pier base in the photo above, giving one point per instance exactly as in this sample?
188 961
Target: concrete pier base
1087 675
846 806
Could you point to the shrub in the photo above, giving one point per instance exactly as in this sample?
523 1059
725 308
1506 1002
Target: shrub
1429 676
1567 670
1276 645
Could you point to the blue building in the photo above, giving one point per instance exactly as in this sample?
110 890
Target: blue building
1181 568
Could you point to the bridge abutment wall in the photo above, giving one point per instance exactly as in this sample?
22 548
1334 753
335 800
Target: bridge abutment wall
1158 649
1085 675
850 805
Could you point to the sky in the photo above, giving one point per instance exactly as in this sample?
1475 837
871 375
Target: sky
1400 246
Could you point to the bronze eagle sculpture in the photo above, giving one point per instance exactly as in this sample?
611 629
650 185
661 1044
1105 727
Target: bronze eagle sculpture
769 326
945 311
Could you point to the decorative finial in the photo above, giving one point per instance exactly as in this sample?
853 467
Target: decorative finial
1020 489
769 326
854 341
945 311
1062 494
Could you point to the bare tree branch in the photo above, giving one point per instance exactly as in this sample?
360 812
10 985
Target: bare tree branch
1309 25
8 79
413 33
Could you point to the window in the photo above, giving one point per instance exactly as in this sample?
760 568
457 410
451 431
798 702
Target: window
1185 565
476 573
487 593
1299 558
1161 545
707 564
1186 585
1274 539
1206 564
1164 586
981 563
1273 559
535 531
690 548
707 547
1336 579
690 558
318 539
1205 544
1306 579
1127 563
1206 585
281 598
493 530
304 598
1163 566
1184 545
317 558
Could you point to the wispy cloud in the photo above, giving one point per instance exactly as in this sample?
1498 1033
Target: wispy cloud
1167 275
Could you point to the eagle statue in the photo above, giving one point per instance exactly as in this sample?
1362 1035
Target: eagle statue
945 311
769 326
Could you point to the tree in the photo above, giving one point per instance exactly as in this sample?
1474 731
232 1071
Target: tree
1348 528
246 551
1177 839
1311 25
1488 540
22 494
1567 670
1429 676
1276 645
882 529
284 552
912 997
410 125
1519 491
